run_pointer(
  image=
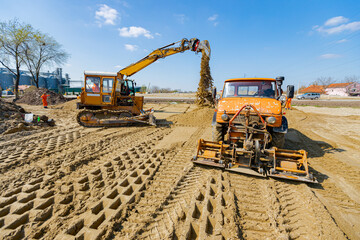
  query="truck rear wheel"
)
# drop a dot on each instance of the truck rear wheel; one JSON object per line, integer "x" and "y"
{"x": 278, "y": 139}
{"x": 218, "y": 133}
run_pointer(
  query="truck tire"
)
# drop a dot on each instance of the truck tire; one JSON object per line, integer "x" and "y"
{"x": 278, "y": 139}
{"x": 218, "y": 133}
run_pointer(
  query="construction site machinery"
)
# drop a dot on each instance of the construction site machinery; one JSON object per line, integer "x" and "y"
{"x": 249, "y": 132}
{"x": 108, "y": 99}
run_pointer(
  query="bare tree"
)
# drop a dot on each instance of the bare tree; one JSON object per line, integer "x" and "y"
{"x": 155, "y": 89}
{"x": 351, "y": 79}
{"x": 12, "y": 35}
{"x": 324, "y": 81}
{"x": 41, "y": 51}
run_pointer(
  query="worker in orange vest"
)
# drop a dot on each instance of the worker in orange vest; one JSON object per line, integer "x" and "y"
{"x": 288, "y": 103}
{"x": 44, "y": 99}
{"x": 95, "y": 88}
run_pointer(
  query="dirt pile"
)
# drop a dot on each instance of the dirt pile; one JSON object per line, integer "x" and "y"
{"x": 11, "y": 116}
{"x": 198, "y": 117}
{"x": 12, "y": 119}
{"x": 34, "y": 97}
{"x": 203, "y": 94}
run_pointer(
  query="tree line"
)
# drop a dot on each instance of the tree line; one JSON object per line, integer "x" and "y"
{"x": 23, "y": 45}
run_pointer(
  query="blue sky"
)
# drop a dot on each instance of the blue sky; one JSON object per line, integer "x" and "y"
{"x": 302, "y": 40}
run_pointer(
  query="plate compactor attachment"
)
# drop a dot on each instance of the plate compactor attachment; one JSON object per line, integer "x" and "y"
{"x": 247, "y": 152}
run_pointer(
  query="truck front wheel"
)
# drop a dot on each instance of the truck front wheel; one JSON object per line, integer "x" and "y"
{"x": 218, "y": 133}
{"x": 278, "y": 139}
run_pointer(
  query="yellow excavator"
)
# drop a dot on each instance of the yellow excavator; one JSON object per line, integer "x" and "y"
{"x": 108, "y": 99}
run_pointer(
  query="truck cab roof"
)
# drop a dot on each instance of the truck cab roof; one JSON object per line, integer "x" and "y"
{"x": 250, "y": 79}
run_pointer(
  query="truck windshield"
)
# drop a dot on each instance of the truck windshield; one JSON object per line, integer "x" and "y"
{"x": 249, "y": 89}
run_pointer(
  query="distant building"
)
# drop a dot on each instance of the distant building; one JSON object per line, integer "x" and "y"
{"x": 313, "y": 89}
{"x": 50, "y": 80}
{"x": 338, "y": 89}
{"x": 353, "y": 89}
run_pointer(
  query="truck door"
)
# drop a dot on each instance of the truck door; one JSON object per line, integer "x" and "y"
{"x": 106, "y": 89}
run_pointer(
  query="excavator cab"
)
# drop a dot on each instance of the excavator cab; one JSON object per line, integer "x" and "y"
{"x": 98, "y": 89}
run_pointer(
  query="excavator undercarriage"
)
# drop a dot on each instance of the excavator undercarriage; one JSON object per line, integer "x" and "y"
{"x": 247, "y": 151}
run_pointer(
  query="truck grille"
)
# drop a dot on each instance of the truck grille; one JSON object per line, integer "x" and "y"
{"x": 241, "y": 119}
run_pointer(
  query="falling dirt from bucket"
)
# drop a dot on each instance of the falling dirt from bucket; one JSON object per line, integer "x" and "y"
{"x": 203, "y": 94}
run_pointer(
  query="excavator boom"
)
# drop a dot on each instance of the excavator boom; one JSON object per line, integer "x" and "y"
{"x": 193, "y": 44}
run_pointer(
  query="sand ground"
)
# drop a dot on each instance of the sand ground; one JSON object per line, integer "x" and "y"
{"x": 71, "y": 182}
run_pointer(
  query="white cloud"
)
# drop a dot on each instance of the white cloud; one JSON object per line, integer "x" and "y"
{"x": 213, "y": 17}
{"x": 118, "y": 66}
{"x": 337, "y": 25}
{"x": 134, "y": 32}
{"x": 158, "y": 34}
{"x": 125, "y": 4}
{"x": 336, "y": 21}
{"x": 181, "y": 18}
{"x": 329, "y": 56}
{"x": 131, "y": 48}
{"x": 342, "y": 41}
{"x": 106, "y": 15}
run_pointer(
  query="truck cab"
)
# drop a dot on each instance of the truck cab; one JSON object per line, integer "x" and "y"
{"x": 264, "y": 94}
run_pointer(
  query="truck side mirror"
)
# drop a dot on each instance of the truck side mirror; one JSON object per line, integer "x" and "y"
{"x": 290, "y": 91}
{"x": 213, "y": 94}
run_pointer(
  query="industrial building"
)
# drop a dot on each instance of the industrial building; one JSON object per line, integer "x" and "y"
{"x": 54, "y": 81}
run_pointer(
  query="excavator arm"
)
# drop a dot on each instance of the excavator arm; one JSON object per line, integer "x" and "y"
{"x": 193, "y": 44}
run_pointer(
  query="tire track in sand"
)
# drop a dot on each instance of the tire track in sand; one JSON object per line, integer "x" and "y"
{"x": 71, "y": 156}
{"x": 299, "y": 213}
{"x": 41, "y": 207}
{"x": 275, "y": 209}
{"x": 168, "y": 176}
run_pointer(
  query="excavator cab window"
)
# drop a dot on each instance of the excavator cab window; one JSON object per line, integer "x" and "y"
{"x": 93, "y": 84}
{"x": 107, "y": 85}
{"x": 131, "y": 88}
{"x": 124, "y": 88}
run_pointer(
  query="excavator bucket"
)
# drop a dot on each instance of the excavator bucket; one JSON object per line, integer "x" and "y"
{"x": 204, "y": 47}
{"x": 277, "y": 163}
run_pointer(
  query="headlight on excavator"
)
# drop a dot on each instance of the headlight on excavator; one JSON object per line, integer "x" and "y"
{"x": 271, "y": 120}
{"x": 225, "y": 117}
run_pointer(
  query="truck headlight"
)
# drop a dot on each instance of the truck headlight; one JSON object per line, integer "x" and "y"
{"x": 225, "y": 117}
{"x": 271, "y": 120}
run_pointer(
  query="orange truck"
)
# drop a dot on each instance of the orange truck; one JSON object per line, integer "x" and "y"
{"x": 249, "y": 132}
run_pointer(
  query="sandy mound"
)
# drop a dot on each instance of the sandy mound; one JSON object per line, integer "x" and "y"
{"x": 12, "y": 119}
{"x": 69, "y": 105}
{"x": 198, "y": 117}
{"x": 34, "y": 97}
{"x": 11, "y": 116}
